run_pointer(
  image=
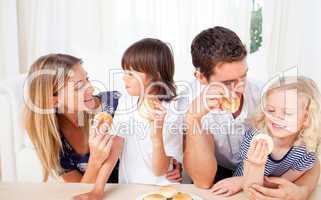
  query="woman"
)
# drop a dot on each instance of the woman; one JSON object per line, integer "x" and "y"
{"x": 58, "y": 110}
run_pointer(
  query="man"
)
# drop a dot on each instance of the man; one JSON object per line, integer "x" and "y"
{"x": 213, "y": 137}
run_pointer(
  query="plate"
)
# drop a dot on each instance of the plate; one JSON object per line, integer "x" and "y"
{"x": 195, "y": 197}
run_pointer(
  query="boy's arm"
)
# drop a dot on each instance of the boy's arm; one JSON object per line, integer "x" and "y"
{"x": 160, "y": 161}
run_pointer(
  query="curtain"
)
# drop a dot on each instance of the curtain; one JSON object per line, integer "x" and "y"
{"x": 99, "y": 31}
{"x": 291, "y": 37}
{"x": 9, "y": 59}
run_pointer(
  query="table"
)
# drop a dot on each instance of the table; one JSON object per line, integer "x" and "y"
{"x": 63, "y": 191}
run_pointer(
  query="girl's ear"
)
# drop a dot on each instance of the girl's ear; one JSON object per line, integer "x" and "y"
{"x": 306, "y": 121}
{"x": 200, "y": 77}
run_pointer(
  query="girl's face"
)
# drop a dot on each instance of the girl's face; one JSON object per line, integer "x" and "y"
{"x": 285, "y": 113}
{"x": 77, "y": 93}
{"x": 135, "y": 82}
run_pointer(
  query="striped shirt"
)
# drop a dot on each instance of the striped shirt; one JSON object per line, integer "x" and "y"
{"x": 297, "y": 158}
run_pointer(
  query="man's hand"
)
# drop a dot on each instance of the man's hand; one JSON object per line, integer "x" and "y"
{"x": 286, "y": 190}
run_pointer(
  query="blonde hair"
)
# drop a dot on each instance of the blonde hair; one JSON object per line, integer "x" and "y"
{"x": 309, "y": 136}
{"x": 46, "y": 76}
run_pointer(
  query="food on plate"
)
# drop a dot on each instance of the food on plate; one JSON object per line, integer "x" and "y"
{"x": 167, "y": 191}
{"x": 154, "y": 197}
{"x": 182, "y": 196}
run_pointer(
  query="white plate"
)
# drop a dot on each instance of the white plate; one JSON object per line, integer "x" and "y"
{"x": 195, "y": 197}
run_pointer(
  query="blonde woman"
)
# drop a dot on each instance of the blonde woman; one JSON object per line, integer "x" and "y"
{"x": 291, "y": 116}
{"x": 59, "y": 104}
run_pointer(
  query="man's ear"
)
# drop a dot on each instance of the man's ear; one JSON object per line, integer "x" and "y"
{"x": 200, "y": 77}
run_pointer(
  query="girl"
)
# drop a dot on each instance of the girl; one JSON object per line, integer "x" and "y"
{"x": 291, "y": 116}
{"x": 153, "y": 131}
{"x": 59, "y": 105}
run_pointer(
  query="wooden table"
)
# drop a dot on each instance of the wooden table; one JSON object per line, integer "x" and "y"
{"x": 62, "y": 191}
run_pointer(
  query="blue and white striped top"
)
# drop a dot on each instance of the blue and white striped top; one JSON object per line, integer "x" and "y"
{"x": 297, "y": 158}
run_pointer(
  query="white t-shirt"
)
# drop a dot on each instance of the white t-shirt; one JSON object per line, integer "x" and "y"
{"x": 228, "y": 132}
{"x": 136, "y": 158}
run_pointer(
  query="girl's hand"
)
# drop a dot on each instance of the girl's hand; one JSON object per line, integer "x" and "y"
{"x": 228, "y": 187}
{"x": 89, "y": 196}
{"x": 175, "y": 175}
{"x": 258, "y": 152}
{"x": 100, "y": 147}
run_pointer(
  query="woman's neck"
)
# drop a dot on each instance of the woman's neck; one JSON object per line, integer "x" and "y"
{"x": 68, "y": 119}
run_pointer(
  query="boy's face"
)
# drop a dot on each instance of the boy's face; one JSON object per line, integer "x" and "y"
{"x": 135, "y": 82}
{"x": 232, "y": 75}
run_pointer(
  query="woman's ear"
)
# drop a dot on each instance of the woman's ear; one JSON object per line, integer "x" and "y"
{"x": 54, "y": 101}
{"x": 200, "y": 77}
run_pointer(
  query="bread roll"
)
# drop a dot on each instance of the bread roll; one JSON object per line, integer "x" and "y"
{"x": 154, "y": 197}
{"x": 102, "y": 122}
{"x": 182, "y": 196}
{"x": 167, "y": 191}
{"x": 268, "y": 140}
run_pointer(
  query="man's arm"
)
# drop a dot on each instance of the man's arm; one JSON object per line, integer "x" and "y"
{"x": 309, "y": 180}
{"x": 199, "y": 154}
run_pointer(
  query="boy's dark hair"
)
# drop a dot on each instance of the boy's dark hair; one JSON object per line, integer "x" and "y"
{"x": 153, "y": 57}
{"x": 216, "y": 46}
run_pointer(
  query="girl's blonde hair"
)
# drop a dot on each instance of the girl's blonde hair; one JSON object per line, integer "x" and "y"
{"x": 310, "y": 135}
{"x": 47, "y": 75}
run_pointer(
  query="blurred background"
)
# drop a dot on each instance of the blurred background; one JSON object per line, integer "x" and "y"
{"x": 279, "y": 34}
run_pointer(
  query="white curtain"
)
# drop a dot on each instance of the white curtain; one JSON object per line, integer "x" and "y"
{"x": 292, "y": 33}
{"x": 9, "y": 59}
{"x": 99, "y": 31}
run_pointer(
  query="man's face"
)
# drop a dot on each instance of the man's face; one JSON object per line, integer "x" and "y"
{"x": 232, "y": 75}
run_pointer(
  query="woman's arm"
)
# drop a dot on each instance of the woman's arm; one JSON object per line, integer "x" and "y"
{"x": 97, "y": 192}
{"x": 108, "y": 166}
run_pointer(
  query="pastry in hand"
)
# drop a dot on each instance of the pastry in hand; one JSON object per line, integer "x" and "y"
{"x": 146, "y": 107}
{"x": 102, "y": 122}
{"x": 154, "y": 197}
{"x": 231, "y": 104}
{"x": 182, "y": 196}
{"x": 268, "y": 140}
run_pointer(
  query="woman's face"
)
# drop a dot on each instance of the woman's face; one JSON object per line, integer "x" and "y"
{"x": 77, "y": 93}
{"x": 285, "y": 112}
{"x": 135, "y": 82}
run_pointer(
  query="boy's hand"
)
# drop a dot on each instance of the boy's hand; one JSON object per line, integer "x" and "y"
{"x": 156, "y": 118}
{"x": 228, "y": 187}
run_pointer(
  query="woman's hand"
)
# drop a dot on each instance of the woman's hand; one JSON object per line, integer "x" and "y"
{"x": 228, "y": 187}
{"x": 89, "y": 196}
{"x": 100, "y": 147}
{"x": 286, "y": 190}
{"x": 175, "y": 175}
